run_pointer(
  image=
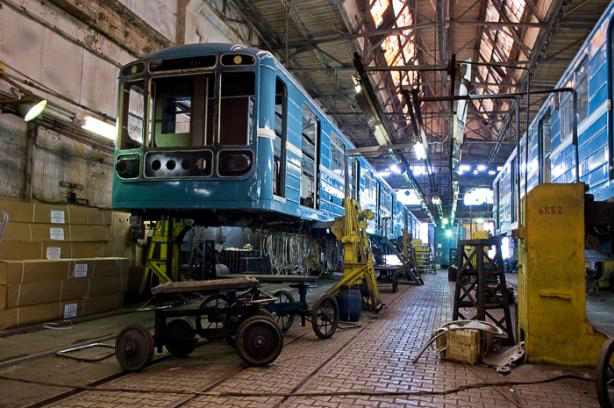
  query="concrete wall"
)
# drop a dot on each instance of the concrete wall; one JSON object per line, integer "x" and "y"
{"x": 78, "y": 56}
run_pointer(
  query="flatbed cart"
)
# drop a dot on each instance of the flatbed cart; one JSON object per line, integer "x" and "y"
{"x": 232, "y": 309}
{"x": 389, "y": 274}
{"x": 324, "y": 314}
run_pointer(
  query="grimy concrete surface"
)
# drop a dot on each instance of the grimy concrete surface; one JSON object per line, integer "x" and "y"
{"x": 375, "y": 357}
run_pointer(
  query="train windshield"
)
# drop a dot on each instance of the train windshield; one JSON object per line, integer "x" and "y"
{"x": 190, "y": 111}
{"x": 133, "y": 114}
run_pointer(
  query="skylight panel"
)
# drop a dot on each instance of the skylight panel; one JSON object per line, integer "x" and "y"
{"x": 378, "y": 8}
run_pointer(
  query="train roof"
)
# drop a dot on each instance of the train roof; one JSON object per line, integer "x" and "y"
{"x": 190, "y": 50}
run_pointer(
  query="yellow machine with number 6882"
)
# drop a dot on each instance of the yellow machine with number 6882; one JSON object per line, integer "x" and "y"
{"x": 551, "y": 275}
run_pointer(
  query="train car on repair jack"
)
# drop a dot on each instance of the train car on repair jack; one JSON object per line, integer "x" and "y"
{"x": 224, "y": 135}
{"x": 551, "y": 152}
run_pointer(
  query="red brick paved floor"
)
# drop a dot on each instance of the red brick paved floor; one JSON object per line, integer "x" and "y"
{"x": 375, "y": 357}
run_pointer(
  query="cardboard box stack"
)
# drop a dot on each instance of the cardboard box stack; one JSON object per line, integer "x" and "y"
{"x": 55, "y": 263}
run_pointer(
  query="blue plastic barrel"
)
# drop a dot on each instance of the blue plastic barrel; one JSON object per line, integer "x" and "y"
{"x": 349, "y": 300}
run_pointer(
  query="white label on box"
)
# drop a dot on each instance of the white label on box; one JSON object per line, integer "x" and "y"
{"x": 70, "y": 310}
{"x": 80, "y": 270}
{"x": 54, "y": 253}
{"x": 56, "y": 234}
{"x": 57, "y": 217}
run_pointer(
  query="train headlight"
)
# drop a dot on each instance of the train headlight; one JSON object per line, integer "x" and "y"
{"x": 238, "y": 59}
{"x": 234, "y": 163}
{"x": 128, "y": 166}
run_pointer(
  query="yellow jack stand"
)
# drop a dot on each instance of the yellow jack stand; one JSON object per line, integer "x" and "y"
{"x": 351, "y": 231}
{"x": 157, "y": 253}
{"x": 551, "y": 278}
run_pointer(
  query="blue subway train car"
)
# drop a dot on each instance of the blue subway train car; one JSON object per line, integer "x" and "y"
{"x": 223, "y": 134}
{"x": 549, "y": 145}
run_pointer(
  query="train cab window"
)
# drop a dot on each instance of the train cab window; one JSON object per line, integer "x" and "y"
{"x": 582, "y": 89}
{"x": 309, "y": 163}
{"x": 279, "y": 143}
{"x": 132, "y": 115}
{"x": 181, "y": 116}
{"x": 236, "y": 107}
{"x": 546, "y": 147}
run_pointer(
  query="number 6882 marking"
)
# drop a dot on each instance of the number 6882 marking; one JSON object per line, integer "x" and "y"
{"x": 551, "y": 210}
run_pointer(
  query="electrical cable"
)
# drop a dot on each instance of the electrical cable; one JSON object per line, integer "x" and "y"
{"x": 349, "y": 393}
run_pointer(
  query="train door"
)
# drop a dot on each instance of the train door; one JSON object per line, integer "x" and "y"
{"x": 378, "y": 205}
{"x": 545, "y": 148}
{"x": 281, "y": 135}
{"x": 355, "y": 179}
{"x": 310, "y": 161}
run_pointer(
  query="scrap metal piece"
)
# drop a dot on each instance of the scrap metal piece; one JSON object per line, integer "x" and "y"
{"x": 503, "y": 359}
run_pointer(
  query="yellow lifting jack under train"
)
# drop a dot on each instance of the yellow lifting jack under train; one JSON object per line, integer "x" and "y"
{"x": 358, "y": 269}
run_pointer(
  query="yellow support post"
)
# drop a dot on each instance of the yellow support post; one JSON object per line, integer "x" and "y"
{"x": 351, "y": 231}
{"x": 551, "y": 278}
{"x": 157, "y": 253}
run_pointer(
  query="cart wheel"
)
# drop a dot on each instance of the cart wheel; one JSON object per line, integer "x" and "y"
{"x": 259, "y": 341}
{"x": 284, "y": 321}
{"x": 325, "y": 316}
{"x": 604, "y": 378}
{"x": 230, "y": 340}
{"x": 134, "y": 347}
{"x": 212, "y": 320}
{"x": 180, "y": 340}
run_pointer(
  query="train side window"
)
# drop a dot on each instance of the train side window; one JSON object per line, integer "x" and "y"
{"x": 279, "y": 143}
{"x": 337, "y": 152}
{"x": 236, "y": 107}
{"x": 546, "y": 147}
{"x": 132, "y": 116}
{"x": 309, "y": 163}
{"x": 582, "y": 89}
{"x": 566, "y": 116}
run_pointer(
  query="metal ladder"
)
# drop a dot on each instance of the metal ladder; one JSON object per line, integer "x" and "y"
{"x": 410, "y": 274}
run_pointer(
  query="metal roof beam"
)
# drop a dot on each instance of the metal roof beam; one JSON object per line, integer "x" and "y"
{"x": 322, "y": 38}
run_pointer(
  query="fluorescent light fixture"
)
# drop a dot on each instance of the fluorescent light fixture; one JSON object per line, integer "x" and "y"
{"x": 448, "y": 233}
{"x": 99, "y": 127}
{"x": 383, "y": 173}
{"x": 420, "y": 151}
{"x": 464, "y": 168}
{"x": 482, "y": 167}
{"x": 475, "y": 172}
{"x": 408, "y": 197}
{"x": 499, "y": 168}
{"x": 395, "y": 169}
{"x": 436, "y": 200}
{"x": 35, "y": 110}
{"x": 492, "y": 172}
